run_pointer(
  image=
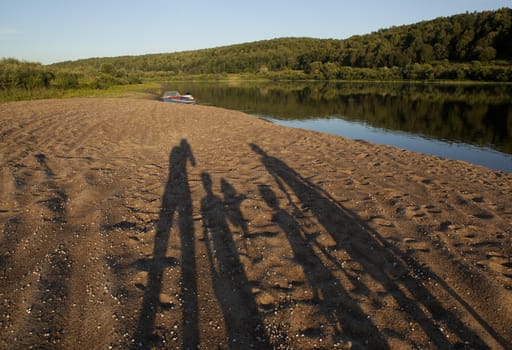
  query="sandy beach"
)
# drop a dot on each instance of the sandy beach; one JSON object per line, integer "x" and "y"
{"x": 137, "y": 224}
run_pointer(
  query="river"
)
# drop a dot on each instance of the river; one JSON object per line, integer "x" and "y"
{"x": 464, "y": 121}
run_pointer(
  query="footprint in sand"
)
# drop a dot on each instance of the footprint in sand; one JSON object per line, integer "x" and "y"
{"x": 140, "y": 280}
{"x": 422, "y": 180}
{"x": 498, "y": 263}
{"x": 416, "y": 246}
{"x": 380, "y": 221}
{"x": 413, "y": 211}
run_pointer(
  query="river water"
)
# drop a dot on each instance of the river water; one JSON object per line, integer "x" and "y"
{"x": 466, "y": 122}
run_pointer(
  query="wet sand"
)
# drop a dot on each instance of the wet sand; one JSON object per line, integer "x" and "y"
{"x": 136, "y": 224}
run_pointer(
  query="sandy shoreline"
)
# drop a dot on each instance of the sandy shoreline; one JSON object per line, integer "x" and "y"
{"x": 138, "y": 224}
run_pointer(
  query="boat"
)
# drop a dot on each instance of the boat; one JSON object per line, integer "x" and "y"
{"x": 175, "y": 96}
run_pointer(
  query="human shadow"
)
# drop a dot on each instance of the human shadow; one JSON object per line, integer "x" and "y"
{"x": 243, "y": 322}
{"x": 365, "y": 246}
{"x": 176, "y": 206}
{"x": 232, "y": 204}
{"x": 233, "y": 201}
{"x": 58, "y": 199}
{"x": 334, "y": 301}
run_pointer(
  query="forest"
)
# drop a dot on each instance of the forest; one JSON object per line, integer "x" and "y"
{"x": 471, "y": 46}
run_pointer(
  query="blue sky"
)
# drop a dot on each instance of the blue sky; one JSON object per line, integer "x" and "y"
{"x": 50, "y": 31}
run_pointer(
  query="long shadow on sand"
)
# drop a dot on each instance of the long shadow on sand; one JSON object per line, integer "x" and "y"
{"x": 244, "y": 325}
{"x": 366, "y": 247}
{"x": 334, "y": 301}
{"x": 176, "y": 205}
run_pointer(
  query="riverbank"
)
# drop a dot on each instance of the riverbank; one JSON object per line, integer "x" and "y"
{"x": 447, "y": 121}
{"x": 137, "y": 224}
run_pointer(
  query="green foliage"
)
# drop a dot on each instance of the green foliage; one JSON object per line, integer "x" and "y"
{"x": 66, "y": 80}
{"x": 471, "y": 46}
{"x": 439, "y": 49}
{"x": 23, "y": 75}
{"x": 25, "y": 80}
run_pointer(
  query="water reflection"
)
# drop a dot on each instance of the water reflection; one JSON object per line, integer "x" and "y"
{"x": 473, "y": 154}
{"x": 477, "y": 115}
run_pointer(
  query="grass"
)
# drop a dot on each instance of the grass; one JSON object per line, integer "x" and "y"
{"x": 131, "y": 91}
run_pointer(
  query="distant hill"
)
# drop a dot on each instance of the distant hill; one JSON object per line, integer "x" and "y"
{"x": 484, "y": 37}
{"x": 471, "y": 46}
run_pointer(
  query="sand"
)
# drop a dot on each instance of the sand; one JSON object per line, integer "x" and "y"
{"x": 136, "y": 224}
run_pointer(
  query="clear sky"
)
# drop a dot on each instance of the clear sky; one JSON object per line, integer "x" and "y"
{"x": 49, "y": 31}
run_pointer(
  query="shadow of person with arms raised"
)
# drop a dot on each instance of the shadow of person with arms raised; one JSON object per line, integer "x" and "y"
{"x": 334, "y": 301}
{"x": 380, "y": 261}
{"x": 243, "y": 322}
{"x": 176, "y": 205}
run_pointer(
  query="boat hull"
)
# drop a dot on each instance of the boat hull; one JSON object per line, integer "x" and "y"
{"x": 179, "y": 100}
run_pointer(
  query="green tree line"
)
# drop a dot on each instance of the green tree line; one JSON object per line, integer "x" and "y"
{"x": 15, "y": 74}
{"x": 436, "y": 49}
{"x": 470, "y": 46}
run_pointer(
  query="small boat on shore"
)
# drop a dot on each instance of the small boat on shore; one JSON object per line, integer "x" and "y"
{"x": 175, "y": 96}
